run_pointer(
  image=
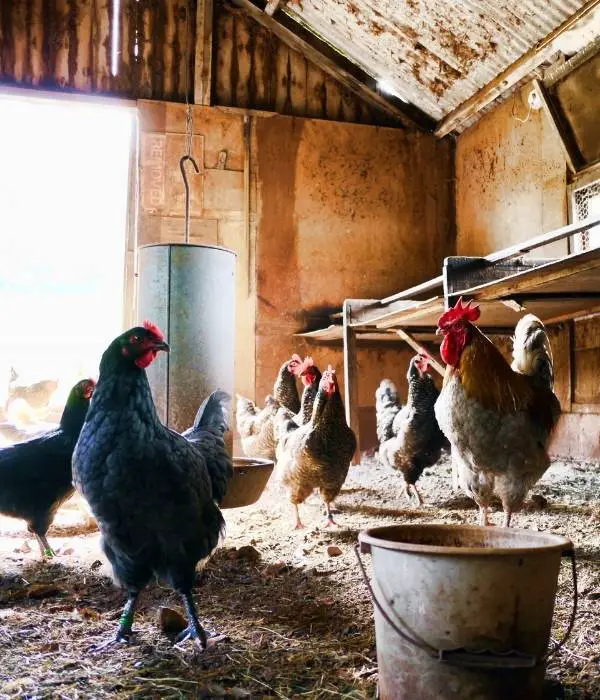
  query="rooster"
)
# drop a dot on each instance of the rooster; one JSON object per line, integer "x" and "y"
{"x": 497, "y": 418}
{"x": 418, "y": 441}
{"x": 154, "y": 493}
{"x": 255, "y": 426}
{"x": 35, "y": 475}
{"x": 387, "y": 407}
{"x": 317, "y": 454}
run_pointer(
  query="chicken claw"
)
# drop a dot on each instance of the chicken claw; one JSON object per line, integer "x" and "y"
{"x": 194, "y": 630}
{"x": 120, "y": 638}
{"x": 330, "y": 522}
{"x": 298, "y": 525}
{"x": 44, "y": 546}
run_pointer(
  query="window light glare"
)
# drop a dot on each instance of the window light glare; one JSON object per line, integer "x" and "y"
{"x": 387, "y": 87}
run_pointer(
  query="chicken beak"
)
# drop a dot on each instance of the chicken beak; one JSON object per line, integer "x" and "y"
{"x": 162, "y": 345}
{"x": 438, "y": 331}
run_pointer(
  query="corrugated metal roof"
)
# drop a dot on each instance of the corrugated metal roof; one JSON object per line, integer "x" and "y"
{"x": 435, "y": 54}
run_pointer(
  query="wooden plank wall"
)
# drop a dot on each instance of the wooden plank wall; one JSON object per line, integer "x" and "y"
{"x": 68, "y": 45}
{"x": 254, "y": 69}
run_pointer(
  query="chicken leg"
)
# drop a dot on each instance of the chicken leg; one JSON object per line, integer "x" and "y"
{"x": 417, "y": 494}
{"x": 507, "y": 518}
{"x": 125, "y": 624}
{"x": 44, "y": 545}
{"x": 483, "y": 516}
{"x": 298, "y": 525}
{"x": 330, "y": 522}
{"x": 194, "y": 630}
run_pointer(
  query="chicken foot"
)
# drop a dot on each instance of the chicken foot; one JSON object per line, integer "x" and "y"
{"x": 194, "y": 630}
{"x": 298, "y": 525}
{"x": 330, "y": 522}
{"x": 44, "y": 545}
{"x": 125, "y": 624}
{"x": 409, "y": 489}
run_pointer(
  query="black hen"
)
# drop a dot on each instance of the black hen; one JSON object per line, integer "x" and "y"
{"x": 153, "y": 492}
{"x": 35, "y": 476}
{"x": 417, "y": 440}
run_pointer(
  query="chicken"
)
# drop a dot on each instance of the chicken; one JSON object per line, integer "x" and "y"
{"x": 497, "y": 418}
{"x": 154, "y": 493}
{"x": 387, "y": 407}
{"x": 418, "y": 441}
{"x": 310, "y": 375}
{"x": 285, "y": 390}
{"x": 317, "y": 454}
{"x": 35, "y": 476}
{"x": 37, "y": 395}
{"x": 256, "y": 427}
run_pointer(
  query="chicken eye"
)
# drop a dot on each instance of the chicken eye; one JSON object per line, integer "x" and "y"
{"x": 133, "y": 339}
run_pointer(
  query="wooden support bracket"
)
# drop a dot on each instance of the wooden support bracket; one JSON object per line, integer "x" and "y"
{"x": 351, "y": 370}
{"x": 417, "y": 347}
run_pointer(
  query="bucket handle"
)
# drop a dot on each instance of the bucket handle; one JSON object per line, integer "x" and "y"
{"x": 420, "y": 644}
{"x": 475, "y": 658}
{"x": 570, "y": 553}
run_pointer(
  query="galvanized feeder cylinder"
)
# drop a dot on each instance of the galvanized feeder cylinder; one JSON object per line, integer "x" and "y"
{"x": 189, "y": 292}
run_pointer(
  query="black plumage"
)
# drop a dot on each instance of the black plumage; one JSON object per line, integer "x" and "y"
{"x": 35, "y": 475}
{"x": 417, "y": 441}
{"x": 153, "y": 492}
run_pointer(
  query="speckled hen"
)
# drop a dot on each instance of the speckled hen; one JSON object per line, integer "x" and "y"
{"x": 317, "y": 454}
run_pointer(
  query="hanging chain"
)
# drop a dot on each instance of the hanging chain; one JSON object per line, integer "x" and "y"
{"x": 189, "y": 118}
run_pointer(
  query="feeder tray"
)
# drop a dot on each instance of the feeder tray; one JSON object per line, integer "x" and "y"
{"x": 249, "y": 479}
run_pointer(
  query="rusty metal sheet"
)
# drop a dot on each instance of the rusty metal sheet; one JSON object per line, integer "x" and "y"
{"x": 434, "y": 53}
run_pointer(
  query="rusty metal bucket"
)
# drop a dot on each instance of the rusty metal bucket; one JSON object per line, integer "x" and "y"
{"x": 463, "y": 612}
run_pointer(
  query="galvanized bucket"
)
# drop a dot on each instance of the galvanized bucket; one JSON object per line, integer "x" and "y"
{"x": 463, "y": 613}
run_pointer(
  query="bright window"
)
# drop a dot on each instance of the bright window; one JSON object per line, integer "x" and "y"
{"x": 64, "y": 172}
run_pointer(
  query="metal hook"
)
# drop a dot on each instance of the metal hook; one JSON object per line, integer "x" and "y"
{"x": 182, "y": 160}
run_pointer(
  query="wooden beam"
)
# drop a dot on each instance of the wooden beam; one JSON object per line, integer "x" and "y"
{"x": 351, "y": 377}
{"x": 511, "y": 75}
{"x": 407, "y": 338}
{"x": 528, "y": 281}
{"x": 247, "y": 200}
{"x": 572, "y": 156}
{"x": 417, "y": 290}
{"x": 321, "y": 54}
{"x": 203, "y": 55}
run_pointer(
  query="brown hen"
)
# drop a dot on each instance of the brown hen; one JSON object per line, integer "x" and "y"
{"x": 317, "y": 454}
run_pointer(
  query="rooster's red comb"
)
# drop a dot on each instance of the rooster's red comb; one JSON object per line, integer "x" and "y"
{"x": 154, "y": 329}
{"x": 459, "y": 311}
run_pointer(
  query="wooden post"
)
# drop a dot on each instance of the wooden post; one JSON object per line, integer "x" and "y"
{"x": 351, "y": 377}
{"x": 417, "y": 347}
{"x": 203, "y": 59}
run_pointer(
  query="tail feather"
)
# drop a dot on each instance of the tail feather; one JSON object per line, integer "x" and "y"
{"x": 213, "y": 414}
{"x": 211, "y": 422}
{"x": 532, "y": 354}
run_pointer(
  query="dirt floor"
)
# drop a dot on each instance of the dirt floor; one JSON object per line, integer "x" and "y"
{"x": 298, "y": 619}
